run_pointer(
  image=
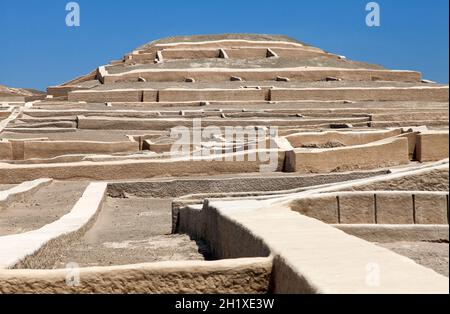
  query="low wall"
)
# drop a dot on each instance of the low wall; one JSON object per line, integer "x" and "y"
{"x": 21, "y": 192}
{"x": 259, "y": 75}
{"x": 241, "y": 276}
{"x": 398, "y": 233}
{"x": 362, "y": 94}
{"x": 346, "y": 138}
{"x": 4, "y": 113}
{"x": 422, "y": 208}
{"x": 17, "y": 248}
{"x": 62, "y": 91}
{"x": 178, "y": 95}
{"x": 106, "y": 96}
{"x": 224, "y": 238}
{"x": 432, "y": 146}
{"x": 385, "y": 153}
{"x": 42, "y": 148}
{"x": 142, "y": 58}
{"x": 169, "y": 95}
{"x": 5, "y": 150}
{"x": 309, "y": 256}
{"x": 163, "y": 124}
{"x": 438, "y": 94}
{"x": 171, "y": 188}
{"x": 9, "y": 98}
{"x": 50, "y": 149}
{"x": 412, "y": 141}
{"x": 175, "y": 54}
{"x": 246, "y": 53}
{"x": 228, "y": 43}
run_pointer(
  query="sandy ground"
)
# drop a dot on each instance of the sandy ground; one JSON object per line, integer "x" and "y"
{"x": 4, "y": 187}
{"x": 431, "y": 255}
{"x": 45, "y": 206}
{"x": 237, "y": 84}
{"x": 130, "y": 231}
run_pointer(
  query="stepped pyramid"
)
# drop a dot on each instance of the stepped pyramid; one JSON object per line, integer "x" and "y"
{"x": 230, "y": 163}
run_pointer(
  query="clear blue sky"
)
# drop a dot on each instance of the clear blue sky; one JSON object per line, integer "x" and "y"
{"x": 37, "y": 49}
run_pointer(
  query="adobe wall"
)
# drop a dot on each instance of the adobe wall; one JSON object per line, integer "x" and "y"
{"x": 18, "y": 249}
{"x": 246, "y": 53}
{"x": 432, "y": 146}
{"x": 171, "y": 188}
{"x": 50, "y": 149}
{"x": 385, "y": 153}
{"x": 361, "y": 94}
{"x": 294, "y": 74}
{"x": 21, "y": 192}
{"x": 106, "y": 96}
{"x": 159, "y": 148}
{"x": 398, "y": 233}
{"x": 410, "y": 116}
{"x": 110, "y": 123}
{"x": 18, "y": 147}
{"x": 224, "y": 238}
{"x": 376, "y": 207}
{"x": 138, "y": 169}
{"x": 296, "y": 267}
{"x": 179, "y": 95}
{"x": 14, "y": 114}
{"x": 9, "y": 98}
{"x": 398, "y": 124}
{"x": 5, "y": 150}
{"x": 412, "y": 143}
{"x": 141, "y": 57}
{"x": 346, "y": 138}
{"x": 241, "y": 276}
{"x": 61, "y": 91}
{"x": 139, "y": 110}
{"x": 241, "y": 52}
{"x": 174, "y": 54}
{"x": 4, "y": 113}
